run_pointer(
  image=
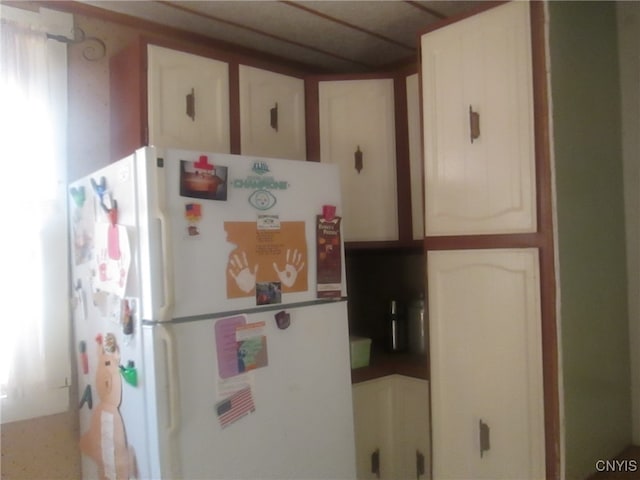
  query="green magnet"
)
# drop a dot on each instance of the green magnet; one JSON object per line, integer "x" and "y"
{"x": 129, "y": 373}
{"x": 78, "y": 195}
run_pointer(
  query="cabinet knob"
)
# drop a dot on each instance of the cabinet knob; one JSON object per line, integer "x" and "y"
{"x": 191, "y": 105}
{"x": 474, "y": 124}
{"x": 358, "y": 159}
{"x": 273, "y": 117}
{"x": 420, "y": 469}
{"x": 485, "y": 444}
{"x": 375, "y": 462}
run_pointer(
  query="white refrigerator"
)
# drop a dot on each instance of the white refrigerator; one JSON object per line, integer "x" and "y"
{"x": 210, "y": 319}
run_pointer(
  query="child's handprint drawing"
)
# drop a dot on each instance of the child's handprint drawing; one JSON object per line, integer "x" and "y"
{"x": 294, "y": 264}
{"x": 241, "y": 273}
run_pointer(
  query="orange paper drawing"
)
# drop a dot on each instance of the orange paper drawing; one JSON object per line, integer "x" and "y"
{"x": 105, "y": 440}
{"x": 277, "y": 256}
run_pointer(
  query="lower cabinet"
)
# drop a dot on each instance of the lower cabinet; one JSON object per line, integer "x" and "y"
{"x": 486, "y": 364}
{"x": 391, "y": 417}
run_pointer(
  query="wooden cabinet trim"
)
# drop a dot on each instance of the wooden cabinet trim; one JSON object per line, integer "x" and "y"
{"x": 550, "y": 362}
{"x": 234, "y": 109}
{"x": 312, "y": 117}
{"x": 403, "y": 173}
{"x": 128, "y": 100}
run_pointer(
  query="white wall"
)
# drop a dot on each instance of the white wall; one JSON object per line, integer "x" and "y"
{"x": 629, "y": 51}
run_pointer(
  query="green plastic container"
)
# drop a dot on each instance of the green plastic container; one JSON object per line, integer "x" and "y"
{"x": 360, "y": 351}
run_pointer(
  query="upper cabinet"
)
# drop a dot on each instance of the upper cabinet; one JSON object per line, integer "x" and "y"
{"x": 168, "y": 98}
{"x": 272, "y": 114}
{"x": 188, "y": 101}
{"x": 357, "y": 132}
{"x": 478, "y": 125}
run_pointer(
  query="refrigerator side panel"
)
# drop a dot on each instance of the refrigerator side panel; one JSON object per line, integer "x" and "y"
{"x": 106, "y": 321}
{"x": 154, "y": 246}
{"x": 299, "y": 420}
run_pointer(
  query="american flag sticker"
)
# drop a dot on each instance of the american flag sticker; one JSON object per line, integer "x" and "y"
{"x": 235, "y": 407}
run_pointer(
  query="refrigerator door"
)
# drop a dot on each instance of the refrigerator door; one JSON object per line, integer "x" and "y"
{"x": 301, "y": 426}
{"x": 219, "y": 229}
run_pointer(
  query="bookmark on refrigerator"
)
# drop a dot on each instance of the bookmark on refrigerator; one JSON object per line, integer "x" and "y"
{"x": 329, "y": 253}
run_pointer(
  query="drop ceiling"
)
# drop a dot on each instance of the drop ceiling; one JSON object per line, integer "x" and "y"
{"x": 335, "y": 36}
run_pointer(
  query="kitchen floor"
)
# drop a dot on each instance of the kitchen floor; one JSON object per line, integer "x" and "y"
{"x": 44, "y": 448}
{"x": 631, "y": 454}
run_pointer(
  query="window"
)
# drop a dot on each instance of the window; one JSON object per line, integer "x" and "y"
{"x": 34, "y": 279}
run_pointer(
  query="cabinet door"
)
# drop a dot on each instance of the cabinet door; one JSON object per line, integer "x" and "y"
{"x": 411, "y": 424}
{"x": 188, "y": 101}
{"x": 372, "y": 417}
{"x": 415, "y": 156}
{"x": 357, "y": 121}
{"x": 478, "y": 124}
{"x": 272, "y": 120}
{"x": 486, "y": 364}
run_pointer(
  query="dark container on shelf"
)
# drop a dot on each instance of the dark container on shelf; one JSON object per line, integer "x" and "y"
{"x": 396, "y": 329}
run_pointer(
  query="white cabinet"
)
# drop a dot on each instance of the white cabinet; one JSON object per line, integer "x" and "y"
{"x": 272, "y": 114}
{"x": 478, "y": 124}
{"x": 372, "y": 407}
{"x": 411, "y": 427}
{"x": 486, "y": 364}
{"x": 391, "y": 419}
{"x": 188, "y": 101}
{"x": 357, "y": 132}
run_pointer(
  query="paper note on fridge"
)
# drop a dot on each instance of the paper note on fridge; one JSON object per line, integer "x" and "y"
{"x": 241, "y": 347}
{"x": 252, "y": 346}
{"x": 112, "y": 258}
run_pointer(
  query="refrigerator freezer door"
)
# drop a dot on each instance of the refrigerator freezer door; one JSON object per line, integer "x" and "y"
{"x": 222, "y": 228}
{"x": 302, "y": 425}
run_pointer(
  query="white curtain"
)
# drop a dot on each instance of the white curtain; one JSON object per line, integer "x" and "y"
{"x": 33, "y": 279}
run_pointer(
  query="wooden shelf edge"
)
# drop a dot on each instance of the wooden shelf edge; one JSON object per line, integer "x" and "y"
{"x": 384, "y": 364}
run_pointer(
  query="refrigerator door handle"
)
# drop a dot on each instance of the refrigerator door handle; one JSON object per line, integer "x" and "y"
{"x": 171, "y": 364}
{"x": 166, "y": 309}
